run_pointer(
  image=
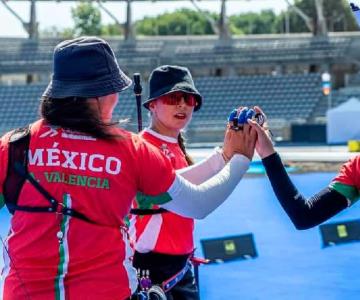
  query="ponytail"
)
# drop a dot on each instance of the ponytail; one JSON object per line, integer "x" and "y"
{"x": 181, "y": 142}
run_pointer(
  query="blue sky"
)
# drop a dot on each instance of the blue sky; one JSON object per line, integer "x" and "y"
{"x": 59, "y": 13}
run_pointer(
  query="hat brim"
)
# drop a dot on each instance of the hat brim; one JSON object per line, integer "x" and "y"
{"x": 110, "y": 84}
{"x": 176, "y": 89}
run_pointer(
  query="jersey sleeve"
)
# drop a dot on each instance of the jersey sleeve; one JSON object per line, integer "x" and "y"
{"x": 156, "y": 175}
{"x": 203, "y": 170}
{"x": 304, "y": 213}
{"x": 347, "y": 181}
{"x": 4, "y": 150}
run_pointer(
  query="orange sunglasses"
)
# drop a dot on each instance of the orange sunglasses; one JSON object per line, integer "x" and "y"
{"x": 175, "y": 99}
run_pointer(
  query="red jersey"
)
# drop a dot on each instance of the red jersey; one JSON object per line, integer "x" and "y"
{"x": 347, "y": 182}
{"x": 168, "y": 232}
{"x": 98, "y": 178}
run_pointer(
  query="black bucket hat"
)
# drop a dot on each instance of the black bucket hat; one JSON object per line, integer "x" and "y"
{"x": 85, "y": 67}
{"x": 168, "y": 79}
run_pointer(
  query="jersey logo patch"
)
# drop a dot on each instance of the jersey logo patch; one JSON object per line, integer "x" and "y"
{"x": 164, "y": 149}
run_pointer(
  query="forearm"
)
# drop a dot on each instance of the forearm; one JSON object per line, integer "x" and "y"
{"x": 302, "y": 212}
{"x": 197, "y": 202}
{"x": 203, "y": 170}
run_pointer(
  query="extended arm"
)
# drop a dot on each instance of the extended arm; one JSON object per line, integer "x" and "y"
{"x": 203, "y": 170}
{"x": 304, "y": 213}
{"x": 197, "y": 202}
{"x": 207, "y": 168}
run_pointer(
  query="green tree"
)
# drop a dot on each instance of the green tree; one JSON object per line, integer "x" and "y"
{"x": 254, "y": 23}
{"x": 337, "y": 14}
{"x": 87, "y": 19}
{"x": 112, "y": 30}
{"x": 181, "y": 22}
{"x": 67, "y": 33}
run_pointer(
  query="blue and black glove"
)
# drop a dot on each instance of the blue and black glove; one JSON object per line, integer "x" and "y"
{"x": 240, "y": 117}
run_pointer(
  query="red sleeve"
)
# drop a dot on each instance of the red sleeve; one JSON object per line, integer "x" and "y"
{"x": 156, "y": 172}
{"x": 350, "y": 173}
{"x": 4, "y": 149}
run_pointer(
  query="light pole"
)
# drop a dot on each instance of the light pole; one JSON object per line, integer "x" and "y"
{"x": 326, "y": 87}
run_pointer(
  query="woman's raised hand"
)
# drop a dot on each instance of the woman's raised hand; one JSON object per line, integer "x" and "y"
{"x": 240, "y": 137}
{"x": 264, "y": 145}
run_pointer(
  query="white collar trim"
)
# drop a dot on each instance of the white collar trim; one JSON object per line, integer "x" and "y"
{"x": 160, "y": 136}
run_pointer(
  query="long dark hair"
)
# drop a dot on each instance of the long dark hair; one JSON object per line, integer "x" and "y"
{"x": 181, "y": 142}
{"x": 76, "y": 114}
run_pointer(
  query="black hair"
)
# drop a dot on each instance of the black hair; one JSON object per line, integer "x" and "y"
{"x": 181, "y": 142}
{"x": 76, "y": 114}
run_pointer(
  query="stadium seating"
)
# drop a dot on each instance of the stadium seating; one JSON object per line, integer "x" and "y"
{"x": 33, "y": 56}
{"x": 266, "y": 50}
{"x": 19, "y": 105}
{"x": 293, "y": 97}
{"x": 342, "y": 95}
{"x": 139, "y": 54}
{"x": 337, "y": 97}
{"x": 26, "y": 55}
{"x": 354, "y": 79}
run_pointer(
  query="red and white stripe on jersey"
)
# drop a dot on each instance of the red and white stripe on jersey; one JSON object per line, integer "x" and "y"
{"x": 98, "y": 178}
{"x": 168, "y": 232}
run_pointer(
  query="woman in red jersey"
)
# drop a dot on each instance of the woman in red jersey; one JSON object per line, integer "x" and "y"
{"x": 163, "y": 240}
{"x": 342, "y": 192}
{"x": 67, "y": 238}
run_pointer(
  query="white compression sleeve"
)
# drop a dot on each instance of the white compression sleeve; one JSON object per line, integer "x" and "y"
{"x": 205, "y": 169}
{"x": 197, "y": 201}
